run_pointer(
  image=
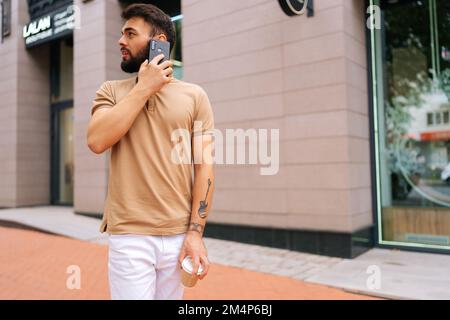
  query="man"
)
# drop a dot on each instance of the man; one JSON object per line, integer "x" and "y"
{"x": 155, "y": 211}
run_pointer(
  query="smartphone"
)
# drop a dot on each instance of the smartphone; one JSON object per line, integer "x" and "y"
{"x": 157, "y": 47}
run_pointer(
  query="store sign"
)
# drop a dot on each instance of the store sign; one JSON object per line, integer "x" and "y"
{"x": 297, "y": 7}
{"x": 50, "y": 27}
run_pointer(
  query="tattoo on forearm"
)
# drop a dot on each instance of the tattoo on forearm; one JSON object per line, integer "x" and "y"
{"x": 203, "y": 204}
{"x": 196, "y": 227}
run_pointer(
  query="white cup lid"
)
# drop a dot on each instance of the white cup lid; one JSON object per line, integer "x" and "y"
{"x": 188, "y": 266}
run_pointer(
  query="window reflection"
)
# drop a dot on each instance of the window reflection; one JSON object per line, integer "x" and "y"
{"x": 414, "y": 135}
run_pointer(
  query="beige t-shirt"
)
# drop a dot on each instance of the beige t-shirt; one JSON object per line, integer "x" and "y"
{"x": 148, "y": 192}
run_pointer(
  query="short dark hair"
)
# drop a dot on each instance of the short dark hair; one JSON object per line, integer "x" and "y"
{"x": 159, "y": 21}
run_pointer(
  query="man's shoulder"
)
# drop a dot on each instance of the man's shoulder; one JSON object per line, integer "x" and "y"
{"x": 116, "y": 89}
{"x": 196, "y": 89}
{"x": 121, "y": 83}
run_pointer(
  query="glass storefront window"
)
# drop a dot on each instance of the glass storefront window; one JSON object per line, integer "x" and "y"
{"x": 411, "y": 91}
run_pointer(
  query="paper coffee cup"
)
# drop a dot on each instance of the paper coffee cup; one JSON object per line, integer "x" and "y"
{"x": 188, "y": 278}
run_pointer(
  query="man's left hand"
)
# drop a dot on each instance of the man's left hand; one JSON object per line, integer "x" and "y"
{"x": 194, "y": 247}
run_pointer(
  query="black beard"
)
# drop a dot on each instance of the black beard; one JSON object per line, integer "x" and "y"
{"x": 133, "y": 64}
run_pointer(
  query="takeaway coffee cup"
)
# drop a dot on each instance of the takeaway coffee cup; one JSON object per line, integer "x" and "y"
{"x": 188, "y": 278}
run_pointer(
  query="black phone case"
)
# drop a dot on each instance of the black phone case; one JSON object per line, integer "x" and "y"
{"x": 157, "y": 47}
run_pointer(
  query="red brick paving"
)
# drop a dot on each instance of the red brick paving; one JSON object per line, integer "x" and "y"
{"x": 33, "y": 265}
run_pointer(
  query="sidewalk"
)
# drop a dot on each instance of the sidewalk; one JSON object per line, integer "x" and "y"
{"x": 34, "y": 265}
{"x": 268, "y": 273}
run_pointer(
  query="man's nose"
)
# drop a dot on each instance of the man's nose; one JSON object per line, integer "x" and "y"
{"x": 122, "y": 41}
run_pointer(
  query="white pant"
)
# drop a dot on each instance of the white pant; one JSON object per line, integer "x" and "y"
{"x": 145, "y": 267}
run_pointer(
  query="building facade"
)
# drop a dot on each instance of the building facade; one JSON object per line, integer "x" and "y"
{"x": 357, "y": 90}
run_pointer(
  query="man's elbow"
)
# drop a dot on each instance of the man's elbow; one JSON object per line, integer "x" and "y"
{"x": 95, "y": 146}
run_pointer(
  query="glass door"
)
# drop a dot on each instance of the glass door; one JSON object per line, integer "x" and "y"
{"x": 411, "y": 91}
{"x": 61, "y": 99}
{"x": 62, "y": 154}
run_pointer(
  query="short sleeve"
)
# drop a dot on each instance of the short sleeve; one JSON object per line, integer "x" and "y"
{"x": 103, "y": 98}
{"x": 203, "y": 119}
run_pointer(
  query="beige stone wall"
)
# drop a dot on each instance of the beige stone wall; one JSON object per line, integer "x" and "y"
{"x": 24, "y": 118}
{"x": 261, "y": 69}
{"x": 97, "y": 59}
{"x": 305, "y": 76}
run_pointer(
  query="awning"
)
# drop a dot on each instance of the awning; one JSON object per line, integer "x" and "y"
{"x": 442, "y": 135}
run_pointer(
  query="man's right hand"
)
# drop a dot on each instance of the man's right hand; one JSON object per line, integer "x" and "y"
{"x": 152, "y": 77}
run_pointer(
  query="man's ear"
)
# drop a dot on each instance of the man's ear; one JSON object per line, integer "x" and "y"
{"x": 162, "y": 37}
